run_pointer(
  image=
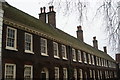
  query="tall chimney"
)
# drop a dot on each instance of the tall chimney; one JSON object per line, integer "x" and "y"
{"x": 95, "y": 43}
{"x": 79, "y": 33}
{"x": 42, "y": 15}
{"x": 118, "y": 58}
{"x": 105, "y": 49}
{"x": 52, "y": 16}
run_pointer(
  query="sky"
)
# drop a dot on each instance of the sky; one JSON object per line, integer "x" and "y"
{"x": 69, "y": 23}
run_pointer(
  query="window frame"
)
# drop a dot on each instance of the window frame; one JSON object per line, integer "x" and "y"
{"x": 75, "y": 73}
{"x": 66, "y": 75}
{"x": 55, "y": 56}
{"x": 31, "y": 46}
{"x": 89, "y": 59}
{"x": 98, "y": 74}
{"x": 97, "y": 62}
{"x": 31, "y": 71}
{"x": 74, "y": 55}
{"x": 57, "y": 68}
{"x": 14, "y": 72}
{"x": 15, "y": 39}
{"x": 46, "y": 53}
{"x": 94, "y": 74}
{"x": 85, "y": 57}
{"x": 79, "y": 56}
{"x": 81, "y": 74}
{"x": 91, "y": 76}
{"x": 93, "y": 60}
{"x": 65, "y": 53}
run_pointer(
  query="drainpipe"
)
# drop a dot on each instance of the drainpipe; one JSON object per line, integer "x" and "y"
{"x": 70, "y": 63}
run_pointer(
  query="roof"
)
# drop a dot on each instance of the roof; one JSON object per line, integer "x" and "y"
{"x": 17, "y": 15}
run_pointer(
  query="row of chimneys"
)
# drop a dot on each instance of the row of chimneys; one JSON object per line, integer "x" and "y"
{"x": 80, "y": 37}
{"x": 50, "y": 18}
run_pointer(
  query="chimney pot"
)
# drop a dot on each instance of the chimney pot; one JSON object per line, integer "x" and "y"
{"x": 94, "y": 38}
{"x": 79, "y": 27}
{"x": 50, "y": 8}
{"x": 41, "y": 9}
{"x": 44, "y": 9}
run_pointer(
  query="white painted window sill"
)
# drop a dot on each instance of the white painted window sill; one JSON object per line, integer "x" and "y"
{"x": 74, "y": 60}
{"x": 57, "y": 57}
{"x": 65, "y": 58}
{"x": 85, "y": 62}
{"x": 44, "y": 54}
{"x": 27, "y": 51}
{"x": 11, "y": 48}
{"x": 80, "y": 61}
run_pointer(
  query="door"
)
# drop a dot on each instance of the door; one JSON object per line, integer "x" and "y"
{"x": 43, "y": 76}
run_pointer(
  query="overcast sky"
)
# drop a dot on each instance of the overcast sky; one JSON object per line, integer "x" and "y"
{"x": 69, "y": 24}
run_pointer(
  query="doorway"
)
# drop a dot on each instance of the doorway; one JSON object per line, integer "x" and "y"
{"x": 44, "y": 74}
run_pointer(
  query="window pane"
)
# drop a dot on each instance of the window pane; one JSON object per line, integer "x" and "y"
{"x": 64, "y": 55}
{"x": 55, "y": 49}
{"x": 75, "y": 74}
{"x": 43, "y": 46}
{"x": 28, "y": 72}
{"x": 93, "y": 62}
{"x": 85, "y": 57}
{"x": 11, "y": 37}
{"x": 81, "y": 76}
{"x": 65, "y": 73}
{"x": 79, "y": 56}
{"x": 89, "y": 58}
{"x": 74, "y": 54}
{"x": 10, "y": 71}
{"x": 56, "y": 73}
{"x": 28, "y": 42}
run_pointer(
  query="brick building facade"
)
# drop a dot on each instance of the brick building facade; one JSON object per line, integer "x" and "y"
{"x": 35, "y": 49}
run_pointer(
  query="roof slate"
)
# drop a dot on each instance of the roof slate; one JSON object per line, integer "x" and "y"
{"x": 17, "y": 15}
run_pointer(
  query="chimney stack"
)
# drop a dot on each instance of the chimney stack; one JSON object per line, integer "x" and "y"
{"x": 105, "y": 49}
{"x": 49, "y": 17}
{"x": 95, "y": 43}
{"x": 52, "y": 16}
{"x": 42, "y": 15}
{"x": 80, "y": 33}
